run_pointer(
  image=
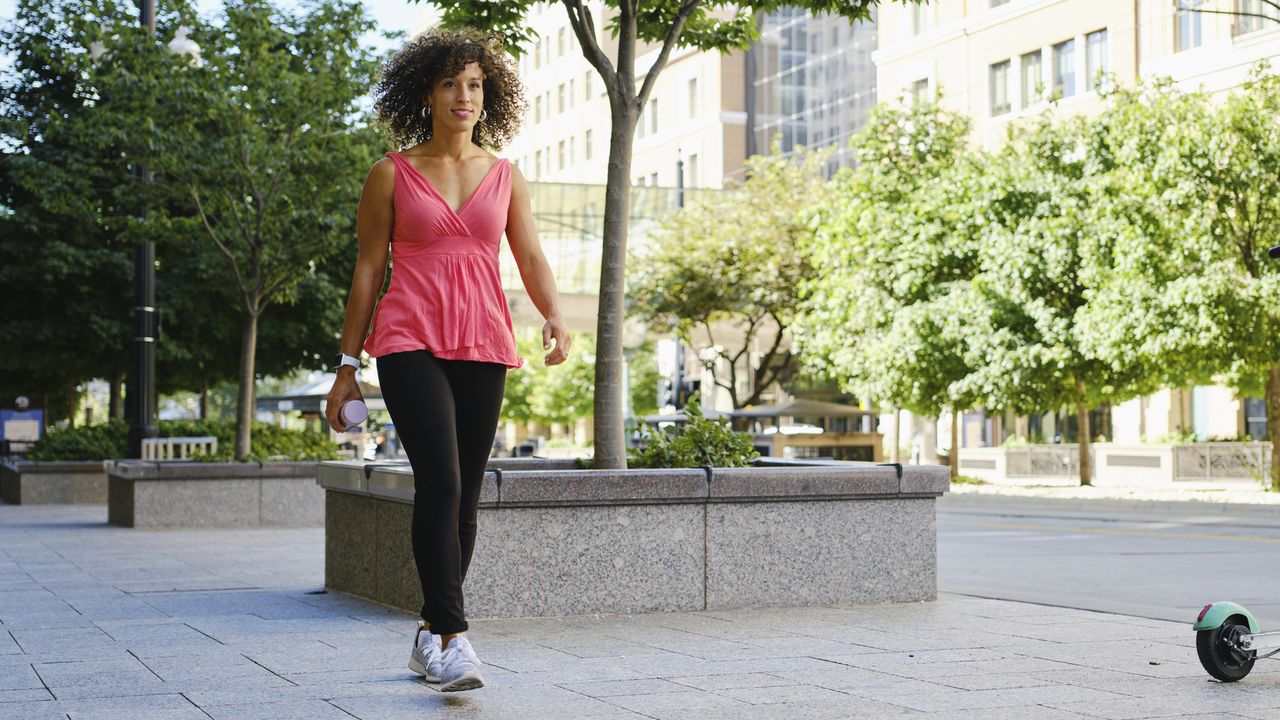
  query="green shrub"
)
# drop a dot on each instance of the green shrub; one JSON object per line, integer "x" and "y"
{"x": 696, "y": 443}
{"x": 96, "y": 442}
{"x": 110, "y": 441}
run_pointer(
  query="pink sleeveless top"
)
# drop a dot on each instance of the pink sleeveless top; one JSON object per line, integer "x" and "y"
{"x": 446, "y": 295}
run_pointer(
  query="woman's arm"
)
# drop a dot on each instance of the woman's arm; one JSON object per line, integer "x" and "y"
{"x": 373, "y": 230}
{"x": 535, "y": 271}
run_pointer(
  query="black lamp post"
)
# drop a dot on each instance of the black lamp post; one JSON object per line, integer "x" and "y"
{"x": 141, "y": 399}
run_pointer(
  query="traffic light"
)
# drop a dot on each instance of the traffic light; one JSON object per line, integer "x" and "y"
{"x": 666, "y": 392}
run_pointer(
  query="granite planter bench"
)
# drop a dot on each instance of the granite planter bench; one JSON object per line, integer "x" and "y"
{"x": 568, "y": 542}
{"x": 25, "y": 482}
{"x": 213, "y": 495}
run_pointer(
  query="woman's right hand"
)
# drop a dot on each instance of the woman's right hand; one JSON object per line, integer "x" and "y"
{"x": 345, "y": 389}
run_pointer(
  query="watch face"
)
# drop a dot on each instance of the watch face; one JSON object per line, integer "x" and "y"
{"x": 337, "y": 360}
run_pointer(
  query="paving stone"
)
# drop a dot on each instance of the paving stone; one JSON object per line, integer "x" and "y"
{"x": 25, "y": 695}
{"x": 138, "y": 707}
{"x": 287, "y": 710}
{"x": 611, "y": 688}
{"x": 731, "y": 680}
{"x": 42, "y": 710}
{"x": 19, "y": 676}
{"x": 767, "y": 695}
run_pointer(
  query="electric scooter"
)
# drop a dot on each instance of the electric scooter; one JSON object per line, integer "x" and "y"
{"x": 1227, "y": 636}
{"x": 1228, "y": 641}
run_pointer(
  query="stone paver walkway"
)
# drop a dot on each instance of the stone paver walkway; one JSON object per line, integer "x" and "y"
{"x": 106, "y": 622}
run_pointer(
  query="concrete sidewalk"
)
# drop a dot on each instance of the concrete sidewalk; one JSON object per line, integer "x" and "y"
{"x": 107, "y": 622}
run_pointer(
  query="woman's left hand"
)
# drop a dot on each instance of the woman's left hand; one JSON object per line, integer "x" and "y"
{"x": 555, "y": 329}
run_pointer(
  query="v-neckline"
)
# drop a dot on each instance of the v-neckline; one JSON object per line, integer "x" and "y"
{"x": 440, "y": 196}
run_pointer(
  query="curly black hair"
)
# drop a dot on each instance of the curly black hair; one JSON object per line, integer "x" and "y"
{"x": 411, "y": 74}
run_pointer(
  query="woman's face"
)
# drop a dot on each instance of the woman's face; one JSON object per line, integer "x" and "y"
{"x": 456, "y": 102}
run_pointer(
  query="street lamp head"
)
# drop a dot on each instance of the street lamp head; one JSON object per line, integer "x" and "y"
{"x": 183, "y": 45}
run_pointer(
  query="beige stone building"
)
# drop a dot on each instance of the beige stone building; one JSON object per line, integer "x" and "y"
{"x": 695, "y": 113}
{"x": 1000, "y": 61}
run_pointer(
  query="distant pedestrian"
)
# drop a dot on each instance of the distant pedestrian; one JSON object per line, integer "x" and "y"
{"x": 442, "y": 334}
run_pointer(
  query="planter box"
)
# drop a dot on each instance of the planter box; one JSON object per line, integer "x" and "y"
{"x": 24, "y": 482}
{"x": 569, "y": 542}
{"x": 1140, "y": 464}
{"x": 213, "y": 495}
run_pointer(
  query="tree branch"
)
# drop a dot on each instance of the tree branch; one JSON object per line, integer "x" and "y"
{"x": 213, "y": 235}
{"x": 584, "y": 27}
{"x": 669, "y": 42}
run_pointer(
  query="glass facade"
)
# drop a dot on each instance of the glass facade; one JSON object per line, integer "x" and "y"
{"x": 810, "y": 82}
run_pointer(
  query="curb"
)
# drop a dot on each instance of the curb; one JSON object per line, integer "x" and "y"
{"x": 1198, "y": 507}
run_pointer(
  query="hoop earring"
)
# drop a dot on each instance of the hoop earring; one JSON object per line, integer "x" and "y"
{"x": 483, "y": 114}
{"x": 426, "y": 112}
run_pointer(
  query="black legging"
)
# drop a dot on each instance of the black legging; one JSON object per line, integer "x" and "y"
{"x": 446, "y": 414}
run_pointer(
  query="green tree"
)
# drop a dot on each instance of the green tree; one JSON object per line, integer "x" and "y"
{"x": 263, "y": 142}
{"x": 536, "y": 393}
{"x": 1041, "y": 264}
{"x": 1204, "y": 298}
{"x": 897, "y": 246}
{"x": 635, "y": 29}
{"x": 68, "y": 203}
{"x": 728, "y": 269}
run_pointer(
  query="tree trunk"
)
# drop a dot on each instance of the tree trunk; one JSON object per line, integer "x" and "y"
{"x": 897, "y": 434}
{"x": 1273, "y": 422}
{"x": 204, "y": 399}
{"x": 953, "y": 458}
{"x": 610, "y": 442}
{"x": 115, "y": 405}
{"x": 245, "y": 394}
{"x": 1083, "y": 436}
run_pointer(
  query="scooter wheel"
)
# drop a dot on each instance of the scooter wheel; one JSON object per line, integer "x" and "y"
{"x": 1218, "y": 653}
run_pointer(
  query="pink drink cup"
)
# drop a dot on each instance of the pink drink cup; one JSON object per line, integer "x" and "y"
{"x": 353, "y": 413}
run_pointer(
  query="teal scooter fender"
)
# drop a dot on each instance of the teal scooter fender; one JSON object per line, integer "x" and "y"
{"x": 1214, "y": 614}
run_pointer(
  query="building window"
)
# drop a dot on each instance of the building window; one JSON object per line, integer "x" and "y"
{"x": 537, "y": 55}
{"x": 1064, "y": 68}
{"x": 586, "y": 146}
{"x": 691, "y": 177}
{"x": 653, "y": 179}
{"x": 572, "y": 94}
{"x": 920, "y": 91}
{"x": 560, "y": 94}
{"x": 573, "y": 144}
{"x": 998, "y": 3}
{"x": 586, "y": 86}
{"x": 537, "y": 109}
{"x": 919, "y": 18}
{"x": 1255, "y": 15}
{"x": 560, "y": 156}
{"x": 653, "y": 115}
{"x": 1095, "y": 59}
{"x": 693, "y": 97}
{"x": 537, "y": 167}
{"x": 1032, "y": 78}
{"x": 560, "y": 43}
{"x": 1000, "y": 88}
{"x": 1187, "y": 24}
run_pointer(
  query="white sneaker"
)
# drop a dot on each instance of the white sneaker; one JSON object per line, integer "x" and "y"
{"x": 460, "y": 667}
{"x": 426, "y": 655}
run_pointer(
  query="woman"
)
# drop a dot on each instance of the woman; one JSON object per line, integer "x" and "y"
{"x": 442, "y": 334}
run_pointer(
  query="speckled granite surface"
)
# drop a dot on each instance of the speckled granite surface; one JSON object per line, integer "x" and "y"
{"x": 582, "y": 542}
{"x": 158, "y": 495}
{"x": 52, "y": 483}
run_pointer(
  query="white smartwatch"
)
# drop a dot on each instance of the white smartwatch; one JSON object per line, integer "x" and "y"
{"x": 345, "y": 359}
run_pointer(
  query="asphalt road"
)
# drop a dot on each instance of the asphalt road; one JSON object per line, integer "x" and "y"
{"x": 1161, "y": 566}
